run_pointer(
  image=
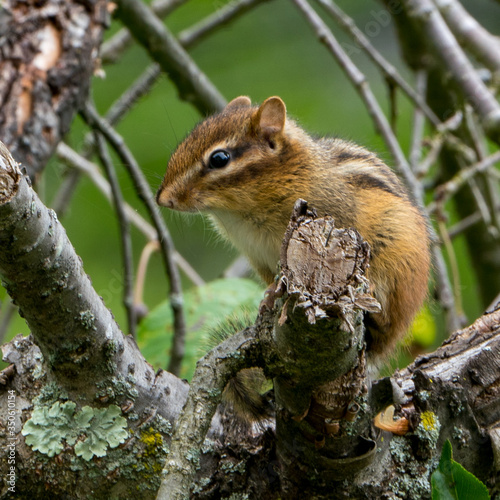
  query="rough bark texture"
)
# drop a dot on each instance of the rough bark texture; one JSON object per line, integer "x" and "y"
{"x": 319, "y": 343}
{"x": 47, "y": 55}
{"x": 80, "y": 355}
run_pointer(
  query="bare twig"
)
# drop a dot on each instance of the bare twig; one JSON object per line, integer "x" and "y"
{"x": 147, "y": 251}
{"x": 226, "y": 14}
{"x": 193, "y": 85}
{"x": 466, "y": 223}
{"x": 389, "y": 71}
{"x": 453, "y": 58}
{"x": 489, "y": 193}
{"x": 167, "y": 246}
{"x": 470, "y": 34}
{"x": 113, "y": 48}
{"x": 436, "y": 143}
{"x": 453, "y": 266}
{"x": 125, "y": 238}
{"x": 448, "y": 189}
{"x": 445, "y": 294}
{"x": 418, "y": 123}
{"x": 116, "y": 112}
{"x": 482, "y": 205}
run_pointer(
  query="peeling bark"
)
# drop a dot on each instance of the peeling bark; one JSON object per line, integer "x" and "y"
{"x": 47, "y": 56}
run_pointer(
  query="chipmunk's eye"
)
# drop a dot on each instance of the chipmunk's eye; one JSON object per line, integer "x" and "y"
{"x": 219, "y": 159}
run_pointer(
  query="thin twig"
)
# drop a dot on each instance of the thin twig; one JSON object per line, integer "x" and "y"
{"x": 389, "y": 71}
{"x": 490, "y": 189}
{"x": 64, "y": 194}
{"x": 192, "y": 84}
{"x": 446, "y": 299}
{"x": 466, "y": 223}
{"x": 437, "y": 141}
{"x": 426, "y": 14}
{"x": 147, "y": 251}
{"x": 445, "y": 191}
{"x": 482, "y": 205}
{"x": 144, "y": 192}
{"x": 112, "y": 49}
{"x": 418, "y": 123}
{"x": 125, "y": 238}
{"x": 453, "y": 265}
{"x": 227, "y": 13}
{"x": 470, "y": 34}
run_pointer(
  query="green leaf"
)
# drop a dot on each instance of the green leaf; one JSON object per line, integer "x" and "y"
{"x": 450, "y": 481}
{"x": 204, "y": 307}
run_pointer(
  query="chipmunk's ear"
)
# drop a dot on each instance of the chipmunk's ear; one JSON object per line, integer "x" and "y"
{"x": 271, "y": 116}
{"x": 242, "y": 101}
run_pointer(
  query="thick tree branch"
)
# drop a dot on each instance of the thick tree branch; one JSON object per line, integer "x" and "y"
{"x": 76, "y": 333}
{"x": 84, "y": 356}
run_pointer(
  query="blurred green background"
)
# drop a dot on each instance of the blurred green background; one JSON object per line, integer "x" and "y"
{"x": 269, "y": 51}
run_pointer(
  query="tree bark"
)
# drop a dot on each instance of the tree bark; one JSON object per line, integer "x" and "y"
{"x": 47, "y": 56}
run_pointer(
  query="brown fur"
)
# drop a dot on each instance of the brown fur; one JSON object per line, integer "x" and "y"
{"x": 274, "y": 162}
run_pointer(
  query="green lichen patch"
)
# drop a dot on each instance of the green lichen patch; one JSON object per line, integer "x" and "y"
{"x": 47, "y": 428}
{"x": 90, "y": 430}
{"x": 106, "y": 427}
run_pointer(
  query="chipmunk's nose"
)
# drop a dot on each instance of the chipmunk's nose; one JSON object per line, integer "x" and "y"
{"x": 163, "y": 199}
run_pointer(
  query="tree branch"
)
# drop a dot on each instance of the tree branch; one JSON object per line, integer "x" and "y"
{"x": 212, "y": 373}
{"x": 446, "y": 48}
{"x": 124, "y": 229}
{"x": 470, "y": 34}
{"x": 192, "y": 84}
{"x": 77, "y": 335}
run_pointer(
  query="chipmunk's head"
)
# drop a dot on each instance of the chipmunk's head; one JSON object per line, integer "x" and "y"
{"x": 227, "y": 158}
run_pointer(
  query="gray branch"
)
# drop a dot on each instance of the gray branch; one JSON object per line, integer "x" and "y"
{"x": 470, "y": 34}
{"x": 193, "y": 85}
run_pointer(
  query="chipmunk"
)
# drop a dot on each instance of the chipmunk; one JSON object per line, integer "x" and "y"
{"x": 247, "y": 165}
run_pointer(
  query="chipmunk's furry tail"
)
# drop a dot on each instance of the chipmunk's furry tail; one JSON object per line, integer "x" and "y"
{"x": 245, "y": 394}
